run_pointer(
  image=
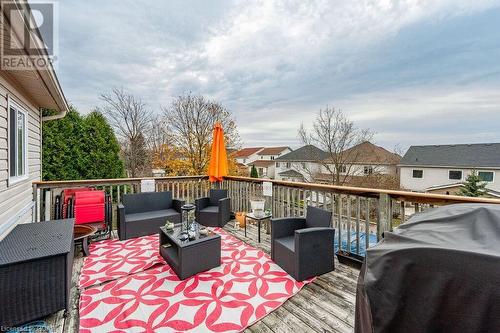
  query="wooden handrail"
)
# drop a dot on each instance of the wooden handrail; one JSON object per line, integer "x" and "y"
{"x": 373, "y": 193}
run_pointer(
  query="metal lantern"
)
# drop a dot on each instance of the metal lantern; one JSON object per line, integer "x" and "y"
{"x": 187, "y": 217}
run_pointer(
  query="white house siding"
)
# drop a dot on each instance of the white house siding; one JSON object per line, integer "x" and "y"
{"x": 439, "y": 176}
{"x": 248, "y": 159}
{"x": 272, "y": 157}
{"x": 310, "y": 170}
{"x": 16, "y": 199}
{"x": 271, "y": 171}
{"x": 267, "y": 171}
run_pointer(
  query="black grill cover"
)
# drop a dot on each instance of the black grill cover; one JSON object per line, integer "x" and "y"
{"x": 439, "y": 272}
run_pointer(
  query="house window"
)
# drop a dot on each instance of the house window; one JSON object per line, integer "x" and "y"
{"x": 272, "y": 157}
{"x": 418, "y": 173}
{"x": 486, "y": 176}
{"x": 261, "y": 157}
{"x": 244, "y": 160}
{"x": 277, "y": 164}
{"x": 455, "y": 174}
{"x": 343, "y": 169}
{"x": 368, "y": 170}
{"x": 288, "y": 165}
{"x": 17, "y": 142}
{"x": 261, "y": 171}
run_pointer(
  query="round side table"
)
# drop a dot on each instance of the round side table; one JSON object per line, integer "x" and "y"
{"x": 81, "y": 233}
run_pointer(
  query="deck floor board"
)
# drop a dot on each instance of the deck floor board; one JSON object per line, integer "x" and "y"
{"x": 326, "y": 305}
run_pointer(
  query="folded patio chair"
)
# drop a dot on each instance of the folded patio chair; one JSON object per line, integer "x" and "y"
{"x": 141, "y": 214}
{"x": 215, "y": 210}
{"x": 87, "y": 206}
{"x": 303, "y": 247}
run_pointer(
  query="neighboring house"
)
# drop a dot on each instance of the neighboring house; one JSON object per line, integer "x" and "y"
{"x": 291, "y": 175}
{"x": 444, "y": 168}
{"x": 265, "y": 163}
{"x": 271, "y": 153}
{"x": 302, "y": 164}
{"x": 362, "y": 161}
{"x": 23, "y": 93}
{"x": 265, "y": 168}
{"x": 247, "y": 155}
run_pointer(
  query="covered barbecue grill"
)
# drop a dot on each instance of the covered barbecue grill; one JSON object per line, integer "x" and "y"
{"x": 439, "y": 272}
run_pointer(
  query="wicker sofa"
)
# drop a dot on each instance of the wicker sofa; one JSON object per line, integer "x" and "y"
{"x": 142, "y": 214}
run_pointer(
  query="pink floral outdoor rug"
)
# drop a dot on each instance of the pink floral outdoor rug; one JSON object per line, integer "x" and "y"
{"x": 246, "y": 287}
{"x": 111, "y": 259}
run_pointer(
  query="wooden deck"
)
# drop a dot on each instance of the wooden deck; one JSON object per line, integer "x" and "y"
{"x": 326, "y": 305}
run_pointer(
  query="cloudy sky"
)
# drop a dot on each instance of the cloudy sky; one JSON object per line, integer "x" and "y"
{"x": 414, "y": 72}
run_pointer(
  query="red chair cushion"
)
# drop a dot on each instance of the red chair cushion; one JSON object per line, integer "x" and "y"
{"x": 69, "y": 193}
{"x": 89, "y": 206}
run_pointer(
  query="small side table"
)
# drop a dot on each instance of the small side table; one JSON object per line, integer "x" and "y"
{"x": 81, "y": 233}
{"x": 251, "y": 216}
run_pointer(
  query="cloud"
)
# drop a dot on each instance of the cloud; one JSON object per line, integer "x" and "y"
{"x": 275, "y": 63}
{"x": 429, "y": 115}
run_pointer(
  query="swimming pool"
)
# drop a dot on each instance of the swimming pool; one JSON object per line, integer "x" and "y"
{"x": 372, "y": 239}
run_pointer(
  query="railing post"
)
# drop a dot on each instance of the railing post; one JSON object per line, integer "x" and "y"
{"x": 384, "y": 212}
{"x": 36, "y": 199}
{"x": 48, "y": 205}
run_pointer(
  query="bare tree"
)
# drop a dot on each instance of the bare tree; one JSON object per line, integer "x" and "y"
{"x": 160, "y": 134}
{"x": 131, "y": 120}
{"x": 334, "y": 133}
{"x": 399, "y": 149}
{"x": 192, "y": 119}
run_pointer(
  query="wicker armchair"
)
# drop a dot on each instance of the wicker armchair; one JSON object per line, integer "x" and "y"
{"x": 215, "y": 210}
{"x": 304, "y": 247}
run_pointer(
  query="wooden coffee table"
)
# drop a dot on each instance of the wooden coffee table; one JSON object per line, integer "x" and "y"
{"x": 190, "y": 257}
{"x": 81, "y": 234}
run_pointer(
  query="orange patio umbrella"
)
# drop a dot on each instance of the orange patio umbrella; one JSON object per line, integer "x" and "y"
{"x": 217, "y": 168}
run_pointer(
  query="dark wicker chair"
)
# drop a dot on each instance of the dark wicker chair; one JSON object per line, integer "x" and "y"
{"x": 213, "y": 211}
{"x": 303, "y": 247}
{"x": 142, "y": 214}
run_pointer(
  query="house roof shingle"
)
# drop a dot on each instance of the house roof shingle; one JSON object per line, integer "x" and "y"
{"x": 460, "y": 155}
{"x": 272, "y": 150}
{"x": 368, "y": 153}
{"x": 262, "y": 163}
{"x": 379, "y": 181}
{"x": 245, "y": 152}
{"x": 291, "y": 173}
{"x": 305, "y": 153}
